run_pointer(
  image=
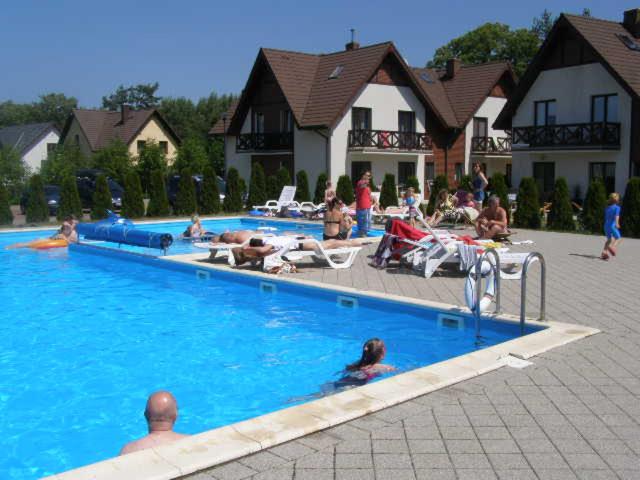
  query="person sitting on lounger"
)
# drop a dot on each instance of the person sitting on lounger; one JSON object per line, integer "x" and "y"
{"x": 337, "y": 224}
{"x": 445, "y": 207}
{"x": 492, "y": 220}
{"x": 239, "y": 236}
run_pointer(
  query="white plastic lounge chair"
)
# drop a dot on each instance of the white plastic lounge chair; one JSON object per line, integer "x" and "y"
{"x": 309, "y": 209}
{"x": 510, "y": 262}
{"x": 286, "y": 200}
{"x": 219, "y": 249}
{"x": 321, "y": 253}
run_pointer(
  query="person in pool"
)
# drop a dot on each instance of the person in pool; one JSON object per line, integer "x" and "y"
{"x": 161, "y": 413}
{"x": 67, "y": 231}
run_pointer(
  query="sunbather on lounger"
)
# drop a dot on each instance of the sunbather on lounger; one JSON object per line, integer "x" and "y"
{"x": 239, "y": 236}
{"x": 492, "y": 220}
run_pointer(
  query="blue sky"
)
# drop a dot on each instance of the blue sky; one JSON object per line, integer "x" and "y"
{"x": 88, "y": 48}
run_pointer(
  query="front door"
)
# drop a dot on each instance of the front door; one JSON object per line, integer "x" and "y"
{"x": 545, "y": 175}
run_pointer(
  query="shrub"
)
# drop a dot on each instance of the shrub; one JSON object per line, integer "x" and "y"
{"x": 388, "y": 192}
{"x": 466, "y": 183}
{"x": 114, "y": 160}
{"x": 321, "y": 182}
{"x": 344, "y": 190}
{"x": 592, "y": 216}
{"x": 233, "y": 197}
{"x": 630, "y": 215}
{"x": 257, "y": 186}
{"x": 210, "y": 195}
{"x": 37, "y": 208}
{"x": 192, "y": 154}
{"x": 132, "y": 202}
{"x": 439, "y": 183}
{"x": 272, "y": 188}
{"x": 302, "y": 187}
{"x": 101, "y": 199}
{"x": 413, "y": 182}
{"x": 151, "y": 158}
{"x": 527, "y": 214}
{"x": 561, "y": 214}
{"x": 284, "y": 179}
{"x": 186, "y": 203}
{"x": 158, "y": 202}
{"x": 6, "y": 217}
{"x": 70, "y": 203}
{"x": 499, "y": 188}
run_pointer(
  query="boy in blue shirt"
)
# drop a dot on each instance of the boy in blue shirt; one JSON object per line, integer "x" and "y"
{"x": 611, "y": 226}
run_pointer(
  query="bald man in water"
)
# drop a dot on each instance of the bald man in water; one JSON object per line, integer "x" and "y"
{"x": 161, "y": 414}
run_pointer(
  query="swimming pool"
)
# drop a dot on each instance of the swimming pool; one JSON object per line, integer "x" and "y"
{"x": 86, "y": 338}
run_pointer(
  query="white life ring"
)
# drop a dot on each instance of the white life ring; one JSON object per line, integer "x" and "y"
{"x": 470, "y": 288}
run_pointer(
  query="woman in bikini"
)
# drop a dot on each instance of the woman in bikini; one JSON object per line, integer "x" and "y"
{"x": 333, "y": 220}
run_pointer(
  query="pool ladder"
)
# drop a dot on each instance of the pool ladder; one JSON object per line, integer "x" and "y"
{"x": 495, "y": 267}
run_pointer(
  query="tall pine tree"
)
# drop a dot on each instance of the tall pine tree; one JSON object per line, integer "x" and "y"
{"x": 186, "y": 203}
{"x": 101, "y": 199}
{"x": 210, "y": 195}
{"x": 257, "y": 186}
{"x": 321, "y": 186}
{"x": 561, "y": 214}
{"x": 527, "y": 215}
{"x": 6, "y": 217}
{"x": 388, "y": 192}
{"x": 158, "y": 202}
{"x": 592, "y": 215}
{"x": 132, "y": 201}
{"x": 70, "y": 203}
{"x": 630, "y": 216}
{"x": 233, "y": 197}
{"x": 37, "y": 208}
{"x": 302, "y": 187}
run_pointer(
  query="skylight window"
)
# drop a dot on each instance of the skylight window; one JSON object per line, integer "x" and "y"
{"x": 336, "y": 72}
{"x": 426, "y": 77}
{"x": 629, "y": 42}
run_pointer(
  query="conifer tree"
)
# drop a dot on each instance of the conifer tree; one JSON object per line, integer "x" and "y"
{"x": 132, "y": 201}
{"x": 186, "y": 203}
{"x": 344, "y": 190}
{"x": 388, "y": 192}
{"x": 439, "y": 183}
{"x": 233, "y": 197}
{"x": 70, "y": 203}
{"x": 413, "y": 182}
{"x": 37, "y": 208}
{"x": 6, "y": 217}
{"x": 210, "y": 195}
{"x": 527, "y": 214}
{"x": 630, "y": 215}
{"x": 272, "y": 188}
{"x": 101, "y": 199}
{"x": 561, "y": 214}
{"x": 302, "y": 187}
{"x": 284, "y": 179}
{"x": 321, "y": 186}
{"x": 499, "y": 188}
{"x": 257, "y": 186}
{"x": 158, "y": 202}
{"x": 592, "y": 215}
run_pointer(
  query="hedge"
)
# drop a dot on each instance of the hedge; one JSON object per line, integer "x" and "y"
{"x": 527, "y": 215}
{"x": 132, "y": 202}
{"x": 592, "y": 216}
{"x": 302, "y": 187}
{"x": 499, "y": 188}
{"x": 233, "y": 197}
{"x": 466, "y": 183}
{"x": 388, "y": 192}
{"x": 344, "y": 190}
{"x": 561, "y": 214}
{"x": 37, "y": 208}
{"x": 186, "y": 202}
{"x": 284, "y": 179}
{"x": 70, "y": 203}
{"x": 630, "y": 215}
{"x": 101, "y": 199}
{"x": 209, "y": 201}
{"x": 413, "y": 182}
{"x": 158, "y": 202}
{"x": 321, "y": 186}
{"x": 257, "y": 186}
{"x": 6, "y": 217}
{"x": 272, "y": 188}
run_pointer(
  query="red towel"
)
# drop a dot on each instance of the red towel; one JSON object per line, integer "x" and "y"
{"x": 404, "y": 230}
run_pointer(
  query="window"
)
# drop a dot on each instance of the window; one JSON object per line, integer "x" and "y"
{"x": 257, "y": 122}
{"x": 629, "y": 42}
{"x": 426, "y": 77}
{"x": 459, "y": 172}
{"x": 429, "y": 171}
{"x": 51, "y": 147}
{"x": 360, "y": 118}
{"x": 605, "y": 171}
{"x": 357, "y": 169}
{"x": 405, "y": 170}
{"x": 604, "y": 108}
{"x": 480, "y": 128}
{"x": 164, "y": 146}
{"x": 509, "y": 171}
{"x": 545, "y": 113}
{"x": 140, "y": 145}
{"x": 406, "y": 122}
{"x": 336, "y": 72}
{"x": 286, "y": 121}
{"x": 545, "y": 176}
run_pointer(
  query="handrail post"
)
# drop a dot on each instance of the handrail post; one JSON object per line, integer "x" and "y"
{"x": 523, "y": 288}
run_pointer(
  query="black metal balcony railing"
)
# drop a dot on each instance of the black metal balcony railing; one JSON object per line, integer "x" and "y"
{"x": 389, "y": 140}
{"x": 264, "y": 141}
{"x": 602, "y": 135}
{"x": 491, "y": 145}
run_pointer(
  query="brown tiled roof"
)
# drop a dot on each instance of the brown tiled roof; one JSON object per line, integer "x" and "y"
{"x": 436, "y": 92}
{"x": 602, "y": 35}
{"x": 102, "y": 127}
{"x": 219, "y": 126}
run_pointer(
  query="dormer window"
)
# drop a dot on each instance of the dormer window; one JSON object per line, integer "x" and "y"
{"x": 336, "y": 72}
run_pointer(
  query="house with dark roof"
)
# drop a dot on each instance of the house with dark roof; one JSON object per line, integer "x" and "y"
{"x": 93, "y": 130}
{"x": 366, "y": 109}
{"x": 576, "y": 112}
{"x": 33, "y": 142}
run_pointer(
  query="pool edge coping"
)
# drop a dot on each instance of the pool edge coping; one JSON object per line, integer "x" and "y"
{"x": 230, "y": 442}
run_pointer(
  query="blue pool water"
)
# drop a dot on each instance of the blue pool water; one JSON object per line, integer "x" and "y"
{"x": 86, "y": 338}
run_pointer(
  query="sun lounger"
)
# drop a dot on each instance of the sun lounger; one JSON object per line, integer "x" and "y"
{"x": 286, "y": 200}
{"x": 320, "y": 252}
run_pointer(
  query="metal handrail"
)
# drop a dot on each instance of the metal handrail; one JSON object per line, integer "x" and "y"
{"x": 496, "y": 282}
{"x": 523, "y": 287}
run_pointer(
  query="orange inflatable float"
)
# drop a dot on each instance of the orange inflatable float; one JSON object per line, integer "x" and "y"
{"x": 46, "y": 243}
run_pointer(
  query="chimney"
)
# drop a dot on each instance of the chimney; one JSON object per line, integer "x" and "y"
{"x": 124, "y": 112}
{"x": 352, "y": 45}
{"x": 632, "y": 22}
{"x": 453, "y": 65}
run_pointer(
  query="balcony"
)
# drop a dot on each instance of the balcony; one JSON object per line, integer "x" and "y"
{"x": 491, "y": 145}
{"x": 573, "y": 136}
{"x": 389, "y": 140}
{"x": 264, "y": 142}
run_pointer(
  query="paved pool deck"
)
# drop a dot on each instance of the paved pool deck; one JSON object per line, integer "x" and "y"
{"x": 575, "y": 413}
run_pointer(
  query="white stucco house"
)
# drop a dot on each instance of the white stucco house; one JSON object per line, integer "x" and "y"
{"x": 362, "y": 109}
{"x": 576, "y": 112}
{"x": 33, "y": 142}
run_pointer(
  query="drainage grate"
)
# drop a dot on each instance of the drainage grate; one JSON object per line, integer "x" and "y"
{"x": 348, "y": 302}
{"x": 203, "y": 275}
{"x": 450, "y": 321}
{"x": 268, "y": 287}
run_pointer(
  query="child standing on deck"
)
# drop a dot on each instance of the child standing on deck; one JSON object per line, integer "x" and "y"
{"x": 611, "y": 226}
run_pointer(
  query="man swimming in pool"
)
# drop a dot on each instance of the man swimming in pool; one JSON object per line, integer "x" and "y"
{"x": 161, "y": 414}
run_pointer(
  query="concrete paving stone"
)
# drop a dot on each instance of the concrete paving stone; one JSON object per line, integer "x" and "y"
{"x": 354, "y": 460}
{"x": 627, "y": 474}
{"x": 527, "y": 432}
{"x": 574, "y": 445}
{"x": 546, "y": 461}
{"x": 521, "y": 474}
{"x": 425, "y": 432}
{"x": 426, "y": 446}
{"x": 500, "y": 446}
{"x": 292, "y": 450}
{"x": 435, "y": 474}
{"x": 395, "y": 474}
{"x": 392, "y": 460}
{"x": 474, "y": 409}
{"x": 507, "y": 461}
{"x": 362, "y": 445}
{"x": 595, "y": 432}
{"x": 511, "y": 409}
{"x": 432, "y": 461}
{"x": 368, "y": 423}
{"x": 476, "y": 474}
{"x": 596, "y": 475}
{"x": 457, "y": 433}
{"x": 620, "y": 461}
{"x": 231, "y": 471}
{"x": 263, "y": 461}
{"x": 314, "y": 474}
{"x": 452, "y": 421}
{"x": 316, "y": 460}
{"x": 555, "y": 474}
{"x": 347, "y": 432}
{"x": 201, "y": 476}
{"x": 615, "y": 420}
{"x": 585, "y": 461}
{"x": 275, "y": 474}
{"x": 390, "y": 446}
{"x": 355, "y": 474}
{"x": 498, "y": 433}
{"x": 392, "y": 432}
{"x": 469, "y": 460}
{"x": 463, "y": 446}
{"x": 614, "y": 446}
{"x": 319, "y": 440}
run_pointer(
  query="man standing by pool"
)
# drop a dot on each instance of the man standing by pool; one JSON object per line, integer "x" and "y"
{"x": 363, "y": 204}
{"x": 161, "y": 414}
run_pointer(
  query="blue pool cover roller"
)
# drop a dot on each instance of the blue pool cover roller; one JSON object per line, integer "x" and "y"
{"x": 121, "y": 230}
